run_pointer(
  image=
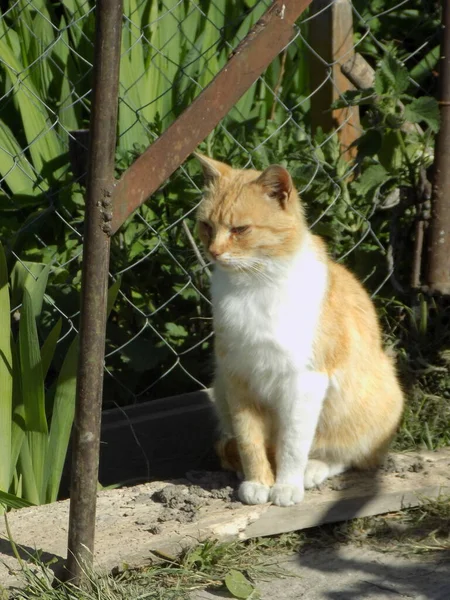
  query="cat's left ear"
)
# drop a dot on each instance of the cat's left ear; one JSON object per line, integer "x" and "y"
{"x": 212, "y": 169}
{"x": 277, "y": 183}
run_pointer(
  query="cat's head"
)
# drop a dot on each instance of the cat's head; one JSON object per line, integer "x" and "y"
{"x": 248, "y": 219}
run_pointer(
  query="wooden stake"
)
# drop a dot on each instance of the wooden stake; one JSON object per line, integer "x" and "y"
{"x": 331, "y": 37}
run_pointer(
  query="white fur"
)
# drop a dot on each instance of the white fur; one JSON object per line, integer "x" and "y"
{"x": 317, "y": 471}
{"x": 268, "y": 324}
{"x": 252, "y": 492}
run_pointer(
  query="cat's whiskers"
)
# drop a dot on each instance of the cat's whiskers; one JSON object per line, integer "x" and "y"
{"x": 250, "y": 266}
{"x": 258, "y": 267}
{"x": 260, "y": 274}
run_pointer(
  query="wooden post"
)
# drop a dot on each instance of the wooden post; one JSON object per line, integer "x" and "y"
{"x": 331, "y": 37}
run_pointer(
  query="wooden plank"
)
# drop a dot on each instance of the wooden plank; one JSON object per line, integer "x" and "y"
{"x": 132, "y": 524}
{"x": 415, "y": 477}
{"x": 331, "y": 38}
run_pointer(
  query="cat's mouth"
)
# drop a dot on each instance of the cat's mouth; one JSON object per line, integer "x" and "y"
{"x": 238, "y": 265}
{"x": 226, "y": 265}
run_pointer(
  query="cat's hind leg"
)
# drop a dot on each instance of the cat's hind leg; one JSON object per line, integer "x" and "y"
{"x": 317, "y": 471}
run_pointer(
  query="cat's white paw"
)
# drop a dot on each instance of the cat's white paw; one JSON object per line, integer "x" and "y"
{"x": 285, "y": 494}
{"x": 316, "y": 472}
{"x": 252, "y": 492}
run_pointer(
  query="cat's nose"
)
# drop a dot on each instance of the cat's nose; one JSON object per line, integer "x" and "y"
{"x": 214, "y": 253}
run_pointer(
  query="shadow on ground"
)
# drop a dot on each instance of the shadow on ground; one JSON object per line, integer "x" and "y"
{"x": 351, "y": 572}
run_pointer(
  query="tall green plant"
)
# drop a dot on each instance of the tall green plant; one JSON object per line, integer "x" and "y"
{"x": 170, "y": 51}
{"x": 6, "y": 388}
{"x": 35, "y": 422}
{"x": 34, "y": 436}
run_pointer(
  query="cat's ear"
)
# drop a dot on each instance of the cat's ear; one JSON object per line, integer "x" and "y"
{"x": 212, "y": 169}
{"x": 277, "y": 183}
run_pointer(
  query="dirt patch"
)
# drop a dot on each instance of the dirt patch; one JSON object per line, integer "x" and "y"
{"x": 182, "y": 500}
{"x": 395, "y": 464}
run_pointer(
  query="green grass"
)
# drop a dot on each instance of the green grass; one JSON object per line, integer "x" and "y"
{"x": 421, "y": 530}
{"x": 420, "y": 336}
{"x": 424, "y": 529}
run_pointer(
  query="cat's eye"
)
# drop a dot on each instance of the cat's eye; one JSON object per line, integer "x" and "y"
{"x": 240, "y": 230}
{"x": 206, "y": 227}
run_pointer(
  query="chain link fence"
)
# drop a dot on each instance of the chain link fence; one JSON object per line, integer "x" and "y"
{"x": 362, "y": 197}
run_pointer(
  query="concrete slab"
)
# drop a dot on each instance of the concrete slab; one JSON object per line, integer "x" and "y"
{"x": 354, "y": 573}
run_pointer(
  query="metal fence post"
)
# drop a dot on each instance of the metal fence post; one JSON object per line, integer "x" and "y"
{"x": 438, "y": 269}
{"x": 100, "y": 182}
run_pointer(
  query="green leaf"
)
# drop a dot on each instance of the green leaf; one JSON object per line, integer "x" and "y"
{"x": 354, "y": 98}
{"x": 62, "y": 420}
{"x": 33, "y": 400}
{"x": 176, "y": 331}
{"x": 14, "y": 166}
{"x": 27, "y": 470}
{"x": 36, "y": 288}
{"x": 44, "y": 144}
{"x": 391, "y": 77}
{"x": 112, "y": 295}
{"x": 424, "y": 109}
{"x": 17, "y": 437}
{"x": 6, "y": 378}
{"x": 12, "y": 501}
{"x": 369, "y": 143}
{"x": 390, "y": 154}
{"x": 238, "y": 585}
{"x": 371, "y": 178}
{"x": 31, "y": 368}
{"x": 23, "y": 274}
{"x": 49, "y": 346}
{"x": 425, "y": 66}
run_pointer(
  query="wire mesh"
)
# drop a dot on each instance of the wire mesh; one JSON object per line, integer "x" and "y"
{"x": 159, "y": 334}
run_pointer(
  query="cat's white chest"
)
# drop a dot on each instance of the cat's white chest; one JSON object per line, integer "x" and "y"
{"x": 268, "y": 331}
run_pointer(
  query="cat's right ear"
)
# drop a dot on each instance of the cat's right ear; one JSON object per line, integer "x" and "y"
{"x": 212, "y": 169}
{"x": 277, "y": 183}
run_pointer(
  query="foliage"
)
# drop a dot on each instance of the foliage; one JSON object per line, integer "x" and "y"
{"x": 35, "y": 424}
{"x": 53, "y": 45}
{"x": 410, "y": 30}
{"x": 37, "y": 404}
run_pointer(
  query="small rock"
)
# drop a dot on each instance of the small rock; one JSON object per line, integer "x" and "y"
{"x": 142, "y": 498}
{"x": 155, "y": 529}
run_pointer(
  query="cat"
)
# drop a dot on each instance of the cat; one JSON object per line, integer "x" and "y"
{"x": 303, "y": 387}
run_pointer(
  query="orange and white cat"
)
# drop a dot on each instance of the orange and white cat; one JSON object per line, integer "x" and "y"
{"x": 303, "y": 386}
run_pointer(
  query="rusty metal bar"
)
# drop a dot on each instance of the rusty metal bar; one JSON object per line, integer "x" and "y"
{"x": 262, "y": 44}
{"x": 100, "y": 181}
{"x": 438, "y": 268}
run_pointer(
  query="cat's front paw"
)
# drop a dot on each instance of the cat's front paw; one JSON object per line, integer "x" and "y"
{"x": 286, "y": 494}
{"x": 252, "y": 492}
